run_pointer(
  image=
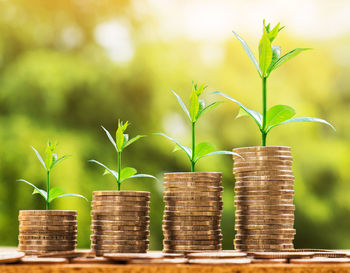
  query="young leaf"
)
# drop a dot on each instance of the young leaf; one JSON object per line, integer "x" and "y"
{"x": 252, "y": 113}
{"x": 221, "y": 153}
{"x": 132, "y": 140}
{"x": 36, "y": 189}
{"x": 183, "y": 106}
{"x": 56, "y": 161}
{"x": 288, "y": 56}
{"x": 273, "y": 33}
{"x": 114, "y": 173}
{"x": 72, "y": 195}
{"x": 199, "y": 90}
{"x": 186, "y": 149}
{"x": 276, "y": 53}
{"x": 143, "y": 175}
{"x": 127, "y": 173}
{"x": 202, "y": 149}
{"x": 55, "y": 192}
{"x": 208, "y": 108}
{"x": 278, "y": 114}
{"x": 265, "y": 53}
{"x": 194, "y": 106}
{"x": 110, "y": 137}
{"x": 249, "y": 52}
{"x": 305, "y": 119}
{"x": 39, "y": 157}
{"x": 120, "y": 137}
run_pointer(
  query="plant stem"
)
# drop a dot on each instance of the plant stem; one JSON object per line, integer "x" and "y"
{"x": 47, "y": 190}
{"x": 193, "y": 146}
{"x": 264, "y": 134}
{"x": 119, "y": 168}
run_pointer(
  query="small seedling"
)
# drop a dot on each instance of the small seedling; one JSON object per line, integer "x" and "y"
{"x": 196, "y": 110}
{"x": 51, "y": 161}
{"x": 120, "y": 143}
{"x": 270, "y": 59}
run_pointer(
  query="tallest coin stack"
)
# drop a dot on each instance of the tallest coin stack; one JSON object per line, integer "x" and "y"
{"x": 264, "y": 199}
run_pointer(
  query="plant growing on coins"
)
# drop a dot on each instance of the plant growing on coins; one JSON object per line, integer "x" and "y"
{"x": 51, "y": 161}
{"x": 196, "y": 110}
{"x": 120, "y": 143}
{"x": 269, "y": 60}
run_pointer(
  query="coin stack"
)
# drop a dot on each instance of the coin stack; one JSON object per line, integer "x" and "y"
{"x": 43, "y": 231}
{"x": 264, "y": 199}
{"x": 120, "y": 222}
{"x": 192, "y": 215}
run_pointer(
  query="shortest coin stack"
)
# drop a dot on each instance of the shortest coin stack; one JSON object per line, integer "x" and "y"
{"x": 264, "y": 199}
{"x": 192, "y": 215}
{"x": 120, "y": 222}
{"x": 43, "y": 231}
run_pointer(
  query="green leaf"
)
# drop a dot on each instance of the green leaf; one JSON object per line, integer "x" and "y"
{"x": 143, "y": 175}
{"x": 208, "y": 108}
{"x": 257, "y": 117}
{"x": 249, "y": 52}
{"x": 186, "y": 149}
{"x": 72, "y": 195}
{"x": 39, "y": 157}
{"x": 305, "y": 119}
{"x": 278, "y": 114}
{"x": 127, "y": 173}
{"x": 221, "y": 153}
{"x": 288, "y": 56}
{"x": 55, "y": 193}
{"x": 194, "y": 106}
{"x": 120, "y": 138}
{"x": 36, "y": 189}
{"x": 199, "y": 90}
{"x": 276, "y": 53}
{"x": 56, "y": 161}
{"x": 273, "y": 33}
{"x": 202, "y": 149}
{"x": 265, "y": 53}
{"x": 183, "y": 106}
{"x": 114, "y": 173}
{"x": 133, "y": 140}
{"x": 110, "y": 137}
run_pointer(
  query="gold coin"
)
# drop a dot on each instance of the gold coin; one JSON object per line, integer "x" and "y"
{"x": 194, "y": 174}
{"x": 261, "y": 217}
{"x": 47, "y": 242}
{"x": 102, "y": 198}
{"x": 191, "y": 248}
{"x": 121, "y": 248}
{"x": 122, "y": 193}
{"x": 103, "y": 242}
{"x": 118, "y": 233}
{"x": 119, "y": 213}
{"x": 171, "y": 233}
{"x": 264, "y": 237}
{"x": 268, "y": 202}
{"x": 262, "y": 231}
{"x": 191, "y": 242}
{"x": 194, "y": 189}
{"x": 262, "y": 222}
{"x": 182, "y": 184}
{"x": 47, "y": 212}
{"x": 120, "y": 223}
{"x": 43, "y": 218}
{"x": 190, "y": 223}
{"x": 48, "y": 223}
{"x": 99, "y": 217}
{"x": 195, "y": 203}
{"x": 189, "y": 208}
{"x": 263, "y": 163}
{"x": 119, "y": 203}
{"x": 49, "y": 232}
{"x": 118, "y": 237}
{"x": 122, "y": 208}
{"x": 257, "y": 168}
{"x": 246, "y": 197}
{"x": 217, "y": 255}
{"x": 193, "y": 213}
{"x": 248, "y": 173}
{"x": 45, "y": 248}
{"x": 192, "y": 218}
{"x": 283, "y": 255}
{"x": 188, "y": 228}
{"x": 263, "y": 247}
{"x": 184, "y": 193}
{"x": 264, "y": 183}
{"x": 194, "y": 237}
{"x": 253, "y": 157}
{"x": 117, "y": 227}
{"x": 43, "y": 237}
{"x": 192, "y": 198}
{"x": 47, "y": 228}
{"x": 255, "y": 191}
{"x": 267, "y": 207}
{"x": 263, "y": 242}
{"x": 265, "y": 226}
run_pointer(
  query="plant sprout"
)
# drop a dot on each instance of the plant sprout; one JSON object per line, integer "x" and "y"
{"x": 51, "y": 160}
{"x": 196, "y": 110}
{"x": 120, "y": 143}
{"x": 270, "y": 59}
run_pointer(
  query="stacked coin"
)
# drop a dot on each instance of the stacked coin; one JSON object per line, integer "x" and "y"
{"x": 120, "y": 222}
{"x": 43, "y": 231}
{"x": 264, "y": 199}
{"x": 192, "y": 215}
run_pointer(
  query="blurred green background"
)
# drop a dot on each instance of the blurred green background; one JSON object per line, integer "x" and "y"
{"x": 68, "y": 67}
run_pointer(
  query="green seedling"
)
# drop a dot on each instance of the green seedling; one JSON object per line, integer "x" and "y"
{"x": 120, "y": 143}
{"x": 269, "y": 60}
{"x": 51, "y": 161}
{"x": 196, "y": 110}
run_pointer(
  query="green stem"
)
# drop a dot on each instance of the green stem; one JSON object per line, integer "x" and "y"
{"x": 193, "y": 146}
{"x": 264, "y": 133}
{"x": 119, "y": 168}
{"x": 47, "y": 190}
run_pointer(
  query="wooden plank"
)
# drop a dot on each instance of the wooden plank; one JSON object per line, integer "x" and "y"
{"x": 111, "y": 268}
